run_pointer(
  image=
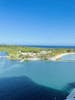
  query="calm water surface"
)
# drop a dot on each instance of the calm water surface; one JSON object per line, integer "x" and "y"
{"x": 69, "y": 57}
{"x": 51, "y": 74}
{"x": 58, "y": 76}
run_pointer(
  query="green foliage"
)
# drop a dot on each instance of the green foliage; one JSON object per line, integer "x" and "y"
{"x": 13, "y": 51}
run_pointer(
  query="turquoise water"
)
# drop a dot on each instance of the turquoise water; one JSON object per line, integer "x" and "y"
{"x": 70, "y": 57}
{"x": 55, "y": 75}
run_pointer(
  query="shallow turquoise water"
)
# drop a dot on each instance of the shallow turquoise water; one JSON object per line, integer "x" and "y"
{"x": 70, "y": 57}
{"x": 55, "y": 75}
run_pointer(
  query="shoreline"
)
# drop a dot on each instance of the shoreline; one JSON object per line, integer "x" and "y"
{"x": 60, "y": 55}
{"x": 54, "y": 58}
{"x": 30, "y": 59}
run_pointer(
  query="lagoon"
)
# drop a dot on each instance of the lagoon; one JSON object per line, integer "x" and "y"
{"x": 55, "y": 76}
{"x": 50, "y": 74}
{"x": 69, "y": 57}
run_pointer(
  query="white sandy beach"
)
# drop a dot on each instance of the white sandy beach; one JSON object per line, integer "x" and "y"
{"x": 52, "y": 58}
{"x": 60, "y": 55}
{"x": 30, "y": 59}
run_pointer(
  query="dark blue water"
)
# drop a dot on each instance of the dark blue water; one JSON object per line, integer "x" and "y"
{"x": 23, "y": 88}
{"x": 48, "y": 46}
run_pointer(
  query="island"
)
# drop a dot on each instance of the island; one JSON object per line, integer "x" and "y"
{"x": 25, "y": 53}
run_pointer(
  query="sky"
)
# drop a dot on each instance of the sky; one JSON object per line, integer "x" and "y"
{"x": 37, "y": 22}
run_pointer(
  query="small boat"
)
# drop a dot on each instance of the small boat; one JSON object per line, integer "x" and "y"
{"x": 71, "y": 96}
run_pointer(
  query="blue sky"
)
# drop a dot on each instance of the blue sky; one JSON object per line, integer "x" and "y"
{"x": 38, "y": 22}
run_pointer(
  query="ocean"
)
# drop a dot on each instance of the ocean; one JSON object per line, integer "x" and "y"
{"x": 36, "y": 80}
{"x": 49, "y": 46}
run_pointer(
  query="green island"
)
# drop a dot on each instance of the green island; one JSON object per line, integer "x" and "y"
{"x": 24, "y": 53}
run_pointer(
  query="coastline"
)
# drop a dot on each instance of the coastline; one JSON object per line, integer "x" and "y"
{"x": 30, "y": 59}
{"x": 54, "y": 58}
{"x": 33, "y": 54}
{"x": 61, "y": 55}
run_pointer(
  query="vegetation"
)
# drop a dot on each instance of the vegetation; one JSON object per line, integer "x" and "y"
{"x": 22, "y": 52}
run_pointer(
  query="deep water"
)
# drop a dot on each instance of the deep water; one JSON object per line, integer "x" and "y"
{"x": 23, "y": 88}
{"x": 49, "y": 46}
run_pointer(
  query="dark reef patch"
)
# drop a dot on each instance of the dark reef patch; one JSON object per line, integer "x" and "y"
{"x": 23, "y": 88}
